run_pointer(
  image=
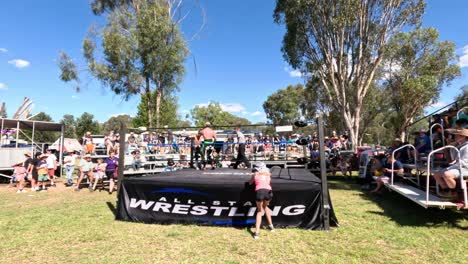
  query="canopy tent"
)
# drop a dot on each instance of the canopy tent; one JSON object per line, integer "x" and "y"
{"x": 69, "y": 145}
{"x": 30, "y": 124}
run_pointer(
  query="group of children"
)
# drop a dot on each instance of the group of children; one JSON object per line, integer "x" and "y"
{"x": 38, "y": 171}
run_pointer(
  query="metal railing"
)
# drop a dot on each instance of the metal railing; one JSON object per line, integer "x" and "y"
{"x": 462, "y": 110}
{"x": 429, "y": 166}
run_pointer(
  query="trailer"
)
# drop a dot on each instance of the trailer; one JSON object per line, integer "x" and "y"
{"x": 14, "y": 153}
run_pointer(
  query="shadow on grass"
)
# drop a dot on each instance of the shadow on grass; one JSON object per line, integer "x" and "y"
{"x": 343, "y": 184}
{"x": 405, "y": 212}
{"x": 112, "y": 208}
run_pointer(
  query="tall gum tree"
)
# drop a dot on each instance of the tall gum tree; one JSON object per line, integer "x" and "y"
{"x": 342, "y": 43}
{"x": 141, "y": 50}
{"x": 415, "y": 68}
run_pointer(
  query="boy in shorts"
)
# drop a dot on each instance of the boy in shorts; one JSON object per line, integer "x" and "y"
{"x": 43, "y": 175}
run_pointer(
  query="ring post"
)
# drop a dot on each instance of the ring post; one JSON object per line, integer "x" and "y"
{"x": 323, "y": 176}
{"x": 122, "y": 147}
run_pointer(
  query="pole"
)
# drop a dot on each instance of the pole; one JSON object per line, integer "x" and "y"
{"x": 32, "y": 138}
{"x": 1, "y": 134}
{"x": 120, "y": 169}
{"x": 323, "y": 176}
{"x": 61, "y": 150}
{"x": 17, "y": 132}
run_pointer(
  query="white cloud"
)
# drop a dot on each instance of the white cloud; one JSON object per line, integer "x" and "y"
{"x": 3, "y": 87}
{"x": 257, "y": 113}
{"x": 228, "y": 107}
{"x": 438, "y": 105}
{"x": 293, "y": 73}
{"x": 3, "y": 50}
{"x": 118, "y": 114}
{"x": 19, "y": 63}
{"x": 76, "y": 97}
{"x": 233, "y": 107}
{"x": 464, "y": 57}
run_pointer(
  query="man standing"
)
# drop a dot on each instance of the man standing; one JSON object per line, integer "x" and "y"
{"x": 241, "y": 150}
{"x": 209, "y": 137}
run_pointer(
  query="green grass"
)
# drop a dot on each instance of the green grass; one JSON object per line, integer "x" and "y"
{"x": 62, "y": 226}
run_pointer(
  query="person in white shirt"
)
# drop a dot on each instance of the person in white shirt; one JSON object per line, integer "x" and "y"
{"x": 241, "y": 150}
{"x": 69, "y": 162}
{"x": 51, "y": 166}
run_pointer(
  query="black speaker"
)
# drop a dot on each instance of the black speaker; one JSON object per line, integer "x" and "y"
{"x": 302, "y": 142}
{"x": 300, "y": 123}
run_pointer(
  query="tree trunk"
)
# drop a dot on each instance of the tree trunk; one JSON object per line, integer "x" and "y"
{"x": 158, "y": 106}
{"x": 149, "y": 110}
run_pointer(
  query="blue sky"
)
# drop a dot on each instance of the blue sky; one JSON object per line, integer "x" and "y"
{"x": 237, "y": 56}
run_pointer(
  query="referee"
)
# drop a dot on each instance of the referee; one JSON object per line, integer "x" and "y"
{"x": 241, "y": 150}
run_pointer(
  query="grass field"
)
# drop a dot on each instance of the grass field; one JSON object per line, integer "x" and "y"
{"x": 62, "y": 226}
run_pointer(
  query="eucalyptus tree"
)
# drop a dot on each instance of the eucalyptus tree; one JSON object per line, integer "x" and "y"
{"x": 416, "y": 67}
{"x": 342, "y": 42}
{"x": 141, "y": 50}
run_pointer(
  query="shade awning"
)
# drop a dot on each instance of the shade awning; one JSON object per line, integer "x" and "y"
{"x": 28, "y": 124}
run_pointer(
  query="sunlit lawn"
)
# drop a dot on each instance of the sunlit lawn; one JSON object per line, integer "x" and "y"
{"x": 62, "y": 226}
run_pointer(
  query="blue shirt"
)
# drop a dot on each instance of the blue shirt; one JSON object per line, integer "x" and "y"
{"x": 424, "y": 144}
{"x": 396, "y": 166}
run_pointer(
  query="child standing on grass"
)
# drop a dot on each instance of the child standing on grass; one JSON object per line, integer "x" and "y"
{"x": 264, "y": 194}
{"x": 19, "y": 173}
{"x": 42, "y": 172}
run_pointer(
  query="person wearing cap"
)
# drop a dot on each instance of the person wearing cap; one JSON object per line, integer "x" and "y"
{"x": 86, "y": 169}
{"x": 19, "y": 175}
{"x": 43, "y": 175}
{"x": 388, "y": 170}
{"x": 263, "y": 194}
{"x": 396, "y": 144}
{"x": 51, "y": 166}
{"x": 69, "y": 162}
{"x": 209, "y": 137}
{"x": 88, "y": 145}
{"x": 447, "y": 179}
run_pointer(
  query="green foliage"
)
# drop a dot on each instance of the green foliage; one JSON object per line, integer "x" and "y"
{"x": 341, "y": 43}
{"x": 462, "y": 97}
{"x": 85, "y": 123}
{"x": 284, "y": 106}
{"x": 70, "y": 126}
{"x": 68, "y": 70}
{"x": 114, "y": 123}
{"x": 142, "y": 50}
{"x": 101, "y": 6}
{"x": 169, "y": 116}
{"x": 416, "y": 67}
{"x": 43, "y": 136}
{"x": 214, "y": 114}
